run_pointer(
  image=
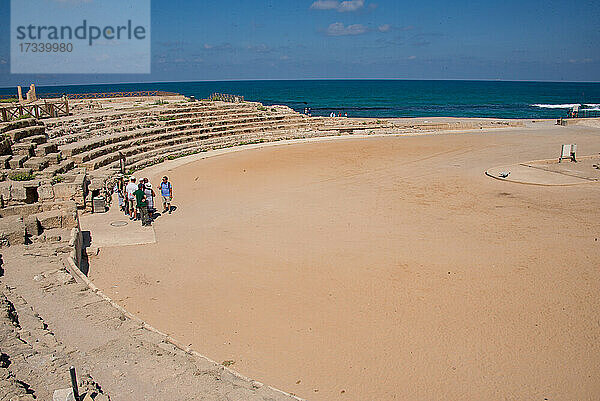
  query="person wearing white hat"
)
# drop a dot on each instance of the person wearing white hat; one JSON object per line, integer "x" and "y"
{"x": 149, "y": 196}
{"x": 130, "y": 189}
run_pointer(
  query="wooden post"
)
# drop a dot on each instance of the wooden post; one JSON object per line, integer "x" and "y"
{"x": 74, "y": 383}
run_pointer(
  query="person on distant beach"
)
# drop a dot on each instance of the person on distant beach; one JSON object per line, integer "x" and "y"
{"x": 130, "y": 189}
{"x": 166, "y": 191}
{"x": 142, "y": 204}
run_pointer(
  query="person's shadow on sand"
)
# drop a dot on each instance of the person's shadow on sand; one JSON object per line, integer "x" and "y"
{"x": 156, "y": 214}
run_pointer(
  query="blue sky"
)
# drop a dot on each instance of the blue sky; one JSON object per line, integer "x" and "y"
{"x": 552, "y": 40}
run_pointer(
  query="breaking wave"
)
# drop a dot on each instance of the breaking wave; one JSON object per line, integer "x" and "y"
{"x": 556, "y": 106}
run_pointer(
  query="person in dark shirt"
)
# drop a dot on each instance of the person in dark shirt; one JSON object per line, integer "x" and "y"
{"x": 142, "y": 204}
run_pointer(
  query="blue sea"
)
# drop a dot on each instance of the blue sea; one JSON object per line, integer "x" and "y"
{"x": 384, "y": 98}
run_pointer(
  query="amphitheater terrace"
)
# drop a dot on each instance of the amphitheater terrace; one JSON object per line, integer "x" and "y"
{"x": 66, "y": 301}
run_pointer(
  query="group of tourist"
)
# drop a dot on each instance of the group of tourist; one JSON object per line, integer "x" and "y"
{"x": 137, "y": 199}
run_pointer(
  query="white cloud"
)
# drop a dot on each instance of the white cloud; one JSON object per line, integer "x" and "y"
{"x": 339, "y": 29}
{"x": 384, "y": 28}
{"x": 340, "y": 6}
{"x": 412, "y": 57}
{"x": 325, "y": 5}
{"x": 351, "y": 5}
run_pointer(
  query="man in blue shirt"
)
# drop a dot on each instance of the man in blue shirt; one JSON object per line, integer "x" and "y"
{"x": 166, "y": 191}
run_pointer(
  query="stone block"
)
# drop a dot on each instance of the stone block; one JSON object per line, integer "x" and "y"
{"x": 19, "y": 171}
{"x": 23, "y": 148}
{"x": 21, "y": 133}
{"x": 45, "y": 192}
{"x": 53, "y": 158}
{"x": 5, "y": 146}
{"x": 32, "y": 225}
{"x": 12, "y": 231}
{"x": 75, "y": 190}
{"x": 5, "y": 190}
{"x": 69, "y": 217}
{"x": 65, "y": 191}
{"x": 36, "y": 163}
{"x": 50, "y": 219}
{"x": 20, "y": 210}
{"x": 36, "y": 139}
{"x": 4, "y": 159}
{"x": 17, "y": 161}
{"x": 18, "y": 192}
{"x": 64, "y": 394}
{"x": 53, "y": 235}
{"x": 45, "y": 148}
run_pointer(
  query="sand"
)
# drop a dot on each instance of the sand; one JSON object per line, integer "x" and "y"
{"x": 380, "y": 269}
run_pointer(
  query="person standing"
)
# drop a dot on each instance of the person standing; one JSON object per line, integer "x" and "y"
{"x": 130, "y": 189}
{"x": 142, "y": 204}
{"x": 119, "y": 192}
{"x": 166, "y": 191}
{"x": 149, "y": 196}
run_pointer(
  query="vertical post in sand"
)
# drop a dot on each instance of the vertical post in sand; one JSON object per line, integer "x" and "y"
{"x": 74, "y": 383}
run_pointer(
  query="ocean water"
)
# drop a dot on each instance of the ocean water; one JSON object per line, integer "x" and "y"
{"x": 385, "y": 98}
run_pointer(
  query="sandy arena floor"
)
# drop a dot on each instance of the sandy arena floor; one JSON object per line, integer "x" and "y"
{"x": 380, "y": 269}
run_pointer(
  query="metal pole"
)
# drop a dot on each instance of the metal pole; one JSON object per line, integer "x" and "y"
{"x": 74, "y": 383}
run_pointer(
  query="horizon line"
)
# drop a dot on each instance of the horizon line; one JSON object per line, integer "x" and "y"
{"x": 308, "y": 79}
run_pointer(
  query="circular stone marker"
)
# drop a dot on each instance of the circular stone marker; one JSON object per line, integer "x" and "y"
{"x": 119, "y": 223}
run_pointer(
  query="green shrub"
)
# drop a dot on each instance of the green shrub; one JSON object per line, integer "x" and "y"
{"x": 9, "y": 100}
{"x": 22, "y": 176}
{"x": 262, "y": 108}
{"x": 56, "y": 179}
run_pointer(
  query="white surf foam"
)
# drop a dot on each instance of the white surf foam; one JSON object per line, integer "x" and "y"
{"x": 556, "y": 106}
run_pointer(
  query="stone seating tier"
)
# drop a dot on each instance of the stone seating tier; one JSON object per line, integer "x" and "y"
{"x": 116, "y": 143}
{"x": 17, "y": 124}
{"x": 142, "y": 144}
{"x": 69, "y": 134}
{"x": 83, "y": 133}
{"x": 92, "y": 143}
{"x": 229, "y": 119}
{"x": 231, "y": 124}
{"x": 201, "y": 144}
{"x": 85, "y": 145}
{"x": 37, "y": 139}
{"x": 19, "y": 134}
{"x": 117, "y": 117}
{"x": 197, "y": 117}
{"x": 63, "y": 132}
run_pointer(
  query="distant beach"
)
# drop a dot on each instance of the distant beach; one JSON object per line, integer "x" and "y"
{"x": 383, "y": 98}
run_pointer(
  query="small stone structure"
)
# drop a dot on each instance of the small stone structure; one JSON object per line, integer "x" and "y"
{"x": 31, "y": 96}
